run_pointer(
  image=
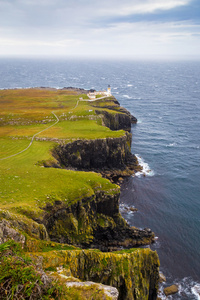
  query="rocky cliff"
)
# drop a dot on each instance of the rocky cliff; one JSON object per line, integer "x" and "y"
{"x": 134, "y": 274}
{"x": 113, "y": 115}
{"x": 93, "y": 222}
{"x": 111, "y": 156}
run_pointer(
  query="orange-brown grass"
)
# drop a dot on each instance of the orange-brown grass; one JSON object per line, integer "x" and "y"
{"x": 33, "y": 104}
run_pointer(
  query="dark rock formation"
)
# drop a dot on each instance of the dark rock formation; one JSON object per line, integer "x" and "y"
{"x": 93, "y": 222}
{"x": 116, "y": 121}
{"x": 111, "y": 156}
{"x": 95, "y": 154}
{"x": 121, "y": 119}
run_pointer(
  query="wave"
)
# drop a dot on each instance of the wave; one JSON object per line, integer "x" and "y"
{"x": 129, "y": 85}
{"x": 146, "y": 170}
{"x": 124, "y": 208}
{"x": 171, "y": 145}
{"x": 196, "y": 290}
{"x": 127, "y": 96}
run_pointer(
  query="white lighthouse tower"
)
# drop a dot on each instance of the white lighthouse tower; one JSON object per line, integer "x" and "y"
{"x": 109, "y": 90}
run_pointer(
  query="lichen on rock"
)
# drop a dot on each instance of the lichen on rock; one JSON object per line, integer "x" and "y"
{"x": 135, "y": 274}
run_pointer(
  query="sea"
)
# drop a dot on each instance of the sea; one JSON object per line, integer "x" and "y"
{"x": 165, "y": 98}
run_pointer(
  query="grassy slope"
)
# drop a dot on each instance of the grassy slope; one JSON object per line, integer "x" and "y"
{"x": 25, "y": 186}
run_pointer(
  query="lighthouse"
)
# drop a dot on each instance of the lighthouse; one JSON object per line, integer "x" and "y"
{"x": 109, "y": 90}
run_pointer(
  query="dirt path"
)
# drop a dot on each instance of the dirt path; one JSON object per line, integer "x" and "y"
{"x": 57, "y": 120}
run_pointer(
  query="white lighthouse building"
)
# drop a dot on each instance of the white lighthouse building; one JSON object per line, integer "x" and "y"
{"x": 109, "y": 90}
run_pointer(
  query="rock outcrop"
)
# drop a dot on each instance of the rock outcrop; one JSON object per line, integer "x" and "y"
{"x": 113, "y": 115}
{"x": 93, "y": 222}
{"x": 19, "y": 223}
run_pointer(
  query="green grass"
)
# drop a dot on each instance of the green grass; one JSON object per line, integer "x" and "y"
{"x": 25, "y": 185}
{"x": 126, "y": 251}
{"x": 80, "y": 129}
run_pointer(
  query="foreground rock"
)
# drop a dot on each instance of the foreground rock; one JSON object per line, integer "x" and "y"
{"x": 134, "y": 274}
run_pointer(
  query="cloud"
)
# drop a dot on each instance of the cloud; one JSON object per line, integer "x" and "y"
{"x": 91, "y": 27}
{"x": 143, "y": 7}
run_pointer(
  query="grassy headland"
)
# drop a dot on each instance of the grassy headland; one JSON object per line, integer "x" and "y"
{"x": 25, "y": 185}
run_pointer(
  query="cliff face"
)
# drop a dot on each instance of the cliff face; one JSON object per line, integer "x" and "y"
{"x": 93, "y": 222}
{"x": 113, "y": 115}
{"x": 135, "y": 274}
{"x": 99, "y": 154}
{"x": 121, "y": 120}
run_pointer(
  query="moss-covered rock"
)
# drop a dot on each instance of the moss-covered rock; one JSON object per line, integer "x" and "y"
{"x": 135, "y": 274}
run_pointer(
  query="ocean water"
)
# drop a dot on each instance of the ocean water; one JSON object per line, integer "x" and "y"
{"x": 165, "y": 98}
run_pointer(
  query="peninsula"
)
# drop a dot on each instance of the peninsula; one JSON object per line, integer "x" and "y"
{"x": 62, "y": 153}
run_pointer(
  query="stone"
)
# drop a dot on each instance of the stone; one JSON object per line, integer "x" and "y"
{"x": 162, "y": 277}
{"x": 109, "y": 291}
{"x": 133, "y": 209}
{"x": 170, "y": 290}
{"x": 8, "y": 233}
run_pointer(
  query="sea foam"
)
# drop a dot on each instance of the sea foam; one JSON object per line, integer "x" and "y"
{"x": 196, "y": 291}
{"x": 146, "y": 171}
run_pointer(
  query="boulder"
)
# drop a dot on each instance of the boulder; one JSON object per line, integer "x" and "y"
{"x": 8, "y": 233}
{"x": 170, "y": 290}
{"x": 133, "y": 209}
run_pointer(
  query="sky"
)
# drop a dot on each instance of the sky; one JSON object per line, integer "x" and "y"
{"x": 100, "y": 28}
